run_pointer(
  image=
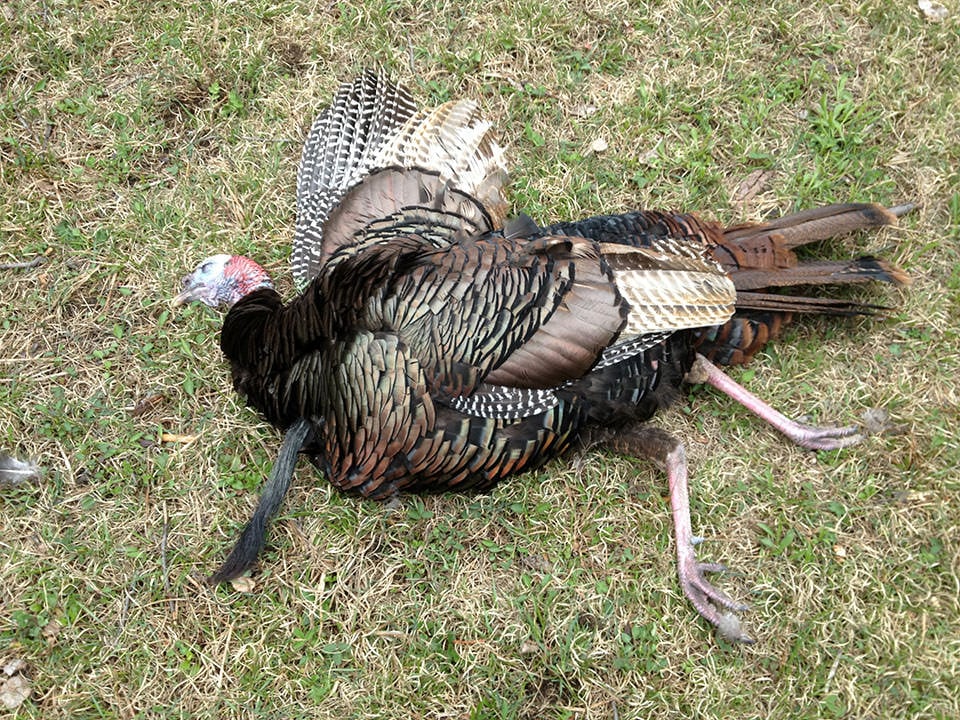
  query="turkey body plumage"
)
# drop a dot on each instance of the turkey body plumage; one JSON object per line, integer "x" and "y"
{"x": 450, "y": 362}
{"x": 461, "y": 392}
{"x": 436, "y": 346}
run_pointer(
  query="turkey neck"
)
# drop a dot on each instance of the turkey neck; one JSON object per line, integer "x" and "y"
{"x": 277, "y": 351}
{"x": 263, "y": 339}
{"x": 262, "y": 335}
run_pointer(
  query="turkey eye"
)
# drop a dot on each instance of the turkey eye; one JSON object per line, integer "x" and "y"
{"x": 205, "y": 268}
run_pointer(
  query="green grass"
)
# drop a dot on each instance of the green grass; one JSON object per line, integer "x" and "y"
{"x": 134, "y": 142}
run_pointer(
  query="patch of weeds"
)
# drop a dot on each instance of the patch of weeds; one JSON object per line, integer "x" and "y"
{"x": 463, "y": 62}
{"x": 227, "y": 101}
{"x": 437, "y": 92}
{"x": 637, "y": 649}
{"x": 776, "y": 540}
{"x": 235, "y": 473}
{"x": 417, "y": 510}
{"x": 496, "y": 707}
{"x": 837, "y": 123}
{"x": 841, "y": 133}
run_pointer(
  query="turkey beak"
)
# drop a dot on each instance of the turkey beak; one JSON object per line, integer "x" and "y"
{"x": 189, "y": 293}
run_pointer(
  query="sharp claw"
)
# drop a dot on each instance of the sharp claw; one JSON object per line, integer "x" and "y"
{"x": 709, "y": 601}
{"x": 826, "y": 438}
{"x": 729, "y": 629}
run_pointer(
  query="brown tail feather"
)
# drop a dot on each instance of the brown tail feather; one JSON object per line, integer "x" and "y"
{"x": 761, "y": 256}
{"x": 821, "y": 272}
{"x": 815, "y": 224}
{"x": 803, "y": 304}
{"x": 749, "y": 248}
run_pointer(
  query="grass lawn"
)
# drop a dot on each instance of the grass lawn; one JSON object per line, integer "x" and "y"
{"x": 136, "y": 139}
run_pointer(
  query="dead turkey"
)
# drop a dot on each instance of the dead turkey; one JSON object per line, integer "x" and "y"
{"x": 436, "y": 345}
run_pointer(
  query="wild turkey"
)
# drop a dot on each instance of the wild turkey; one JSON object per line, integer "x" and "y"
{"x": 437, "y": 347}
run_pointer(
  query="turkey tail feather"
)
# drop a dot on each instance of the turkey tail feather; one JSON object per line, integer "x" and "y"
{"x": 803, "y": 304}
{"x": 760, "y": 257}
{"x": 822, "y": 272}
{"x": 815, "y": 224}
{"x": 251, "y": 541}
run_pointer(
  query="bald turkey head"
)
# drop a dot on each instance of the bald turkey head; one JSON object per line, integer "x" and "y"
{"x": 222, "y": 280}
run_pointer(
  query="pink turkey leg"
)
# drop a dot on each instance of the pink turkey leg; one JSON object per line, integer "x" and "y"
{"x": 662, "y": 447}
{"x": 704, "y": 596}
{"x": 806, "y": 436}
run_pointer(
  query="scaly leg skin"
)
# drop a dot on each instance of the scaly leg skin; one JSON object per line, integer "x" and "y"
{"x": 806, "y": 436}
{"x": 705, "y": 597}
{"x": 662, "y": 447}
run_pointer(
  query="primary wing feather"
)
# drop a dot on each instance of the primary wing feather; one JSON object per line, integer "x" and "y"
{"x": 373, "y": 124}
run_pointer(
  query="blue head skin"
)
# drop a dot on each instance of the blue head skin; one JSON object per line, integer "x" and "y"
{"x": 222, "y": 280}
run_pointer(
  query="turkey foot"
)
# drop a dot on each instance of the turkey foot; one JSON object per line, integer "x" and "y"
{"x": 710, "y": 602}
{"x": 811, "y": 437}
{"x": 707, "y": 599}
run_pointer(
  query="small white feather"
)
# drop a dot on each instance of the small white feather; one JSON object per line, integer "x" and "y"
{"x": 15, "y": 472}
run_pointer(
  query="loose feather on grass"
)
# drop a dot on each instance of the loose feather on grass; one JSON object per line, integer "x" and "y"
{"x": 14, "y": 472}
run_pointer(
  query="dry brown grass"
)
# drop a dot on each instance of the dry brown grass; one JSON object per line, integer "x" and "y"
{"x": 133, "y": 143}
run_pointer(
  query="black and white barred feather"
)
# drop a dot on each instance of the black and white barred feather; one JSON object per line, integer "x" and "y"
{"x": 338, "y": 152}
{"x": 373, "y": 124}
